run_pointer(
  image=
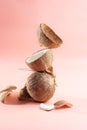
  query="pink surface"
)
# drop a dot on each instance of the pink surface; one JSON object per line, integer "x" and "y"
{"x": 19, "y": 20}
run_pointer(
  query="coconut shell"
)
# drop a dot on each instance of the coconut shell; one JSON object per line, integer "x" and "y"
{"x": 23, "y": 94}
{"x": 47, "y": 37}
{"x": 6, "y": 92}
{"x": 41, "y": 60}
{"x": 62, "y": 103}
{"x": 41, "y": 86}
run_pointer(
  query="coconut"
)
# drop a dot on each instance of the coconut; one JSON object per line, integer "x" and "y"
{"x": 47, "y": 37}
{"x": 41, "y": 60}
{"x": 41, "y": 86}
{"x": 23, "y": 94}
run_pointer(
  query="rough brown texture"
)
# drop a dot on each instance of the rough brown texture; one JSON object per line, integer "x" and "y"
{"x": 47, "y": 37}
{"x": 23, "y": 94}
{"x": 43, "y": 63}
{"x": 41, "y": 86}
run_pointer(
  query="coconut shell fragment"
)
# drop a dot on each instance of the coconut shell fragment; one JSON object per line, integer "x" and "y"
{"x": 47, "y": 37}
{"x": 62, "y": 103}
{"x": 6, "y": 92}
{"x": 57, "y": 105}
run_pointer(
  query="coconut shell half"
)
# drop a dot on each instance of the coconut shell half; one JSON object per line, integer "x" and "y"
{"x": 41, "y": 60}
{"x": 47, "y": 37}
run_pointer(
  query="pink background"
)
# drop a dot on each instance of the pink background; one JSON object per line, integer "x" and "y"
{"x": 19, "y": 20}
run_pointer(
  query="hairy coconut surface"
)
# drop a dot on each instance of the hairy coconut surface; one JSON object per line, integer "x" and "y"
{"x": 23, "y": 94}
{"x": 41, "y": 60}
{"x": 41, "y": 86}
{"x": 47, "y": 37}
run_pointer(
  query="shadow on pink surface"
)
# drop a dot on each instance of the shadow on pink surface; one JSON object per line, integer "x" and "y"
{"x": 12, "y": 99}
{"x": 79, "y": 104}
{"x": 18, "y": 23}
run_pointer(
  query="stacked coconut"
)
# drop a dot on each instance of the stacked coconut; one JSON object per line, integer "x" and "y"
{"x": 40, "y": 85}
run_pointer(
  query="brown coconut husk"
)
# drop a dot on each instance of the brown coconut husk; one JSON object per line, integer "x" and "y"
{"x": 47, "y": 37}
{"x": 41, "y": 61}
{"x": 41, "y": 86}
{"x": 23, "y": 94}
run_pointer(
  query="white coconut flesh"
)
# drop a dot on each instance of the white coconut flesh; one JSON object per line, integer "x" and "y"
{"x": 36, "y": 56}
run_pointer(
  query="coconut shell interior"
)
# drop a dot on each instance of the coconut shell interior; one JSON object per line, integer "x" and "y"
{"x": 47, "y": 37}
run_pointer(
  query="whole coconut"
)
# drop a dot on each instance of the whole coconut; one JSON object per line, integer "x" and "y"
{"x": 41, "y": 86}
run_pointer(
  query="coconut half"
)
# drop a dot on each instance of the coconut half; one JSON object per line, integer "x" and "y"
{"x": 41, "y": 60}
{"x": 47, "y": 37}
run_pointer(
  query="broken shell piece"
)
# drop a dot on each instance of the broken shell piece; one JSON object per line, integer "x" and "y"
{"x": 9, "y": 88}
{"x": 41, "y": 60}
{"x": 47, "y": 37}
{"x": 62, "y": 103}
{"x": 46, "y": 107}
{"x": 3, "y": 95}
{"x": 58, "y": 104}
{"x": 6, "y": 92}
